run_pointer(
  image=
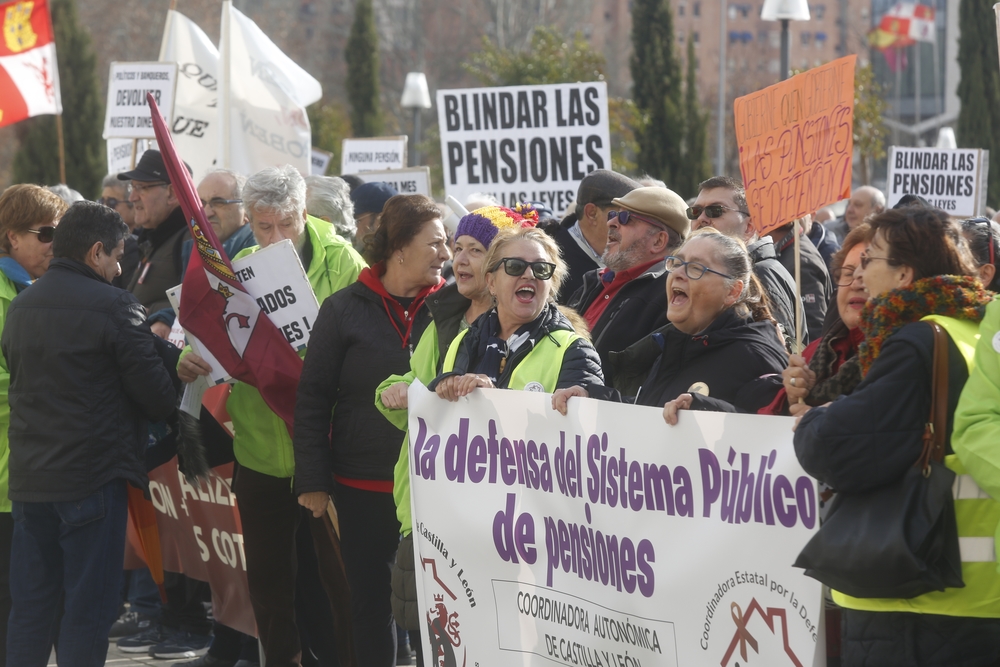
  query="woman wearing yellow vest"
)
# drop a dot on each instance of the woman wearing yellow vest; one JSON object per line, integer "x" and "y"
{"x": 524, "y": 342}
{"x": 917, "y": 267}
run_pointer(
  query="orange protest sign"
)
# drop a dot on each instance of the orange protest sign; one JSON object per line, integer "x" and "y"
{"x": 796, "y": 143}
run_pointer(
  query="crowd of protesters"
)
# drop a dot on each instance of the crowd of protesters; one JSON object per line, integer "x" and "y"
{"x": 634, "y": 295}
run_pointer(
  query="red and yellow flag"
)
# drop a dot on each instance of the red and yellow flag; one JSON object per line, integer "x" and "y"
{"x": 29, "y": 77}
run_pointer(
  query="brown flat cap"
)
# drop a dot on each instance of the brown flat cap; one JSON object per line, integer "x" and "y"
{"x": 665, "y": 206}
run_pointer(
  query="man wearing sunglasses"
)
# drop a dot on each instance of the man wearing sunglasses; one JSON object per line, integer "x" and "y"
{"x": 164, "y": 229}
{"x": 115, "y": 194}
{"x": 722, "y": 204}
{"x": 583, "y": 234}
{"x": 627, "y": 300}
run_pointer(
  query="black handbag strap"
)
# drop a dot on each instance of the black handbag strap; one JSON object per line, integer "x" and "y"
{"x": 937, "y": 424}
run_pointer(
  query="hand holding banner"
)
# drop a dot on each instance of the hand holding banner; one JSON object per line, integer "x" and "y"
{"x": 796, "y": 143}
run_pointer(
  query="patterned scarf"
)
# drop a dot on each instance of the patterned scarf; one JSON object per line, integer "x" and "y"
{"x": 961, "y": 297}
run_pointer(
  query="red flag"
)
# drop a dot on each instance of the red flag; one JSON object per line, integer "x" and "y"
{"x": 217, "y": 310}
{"x": 29, "y": 78}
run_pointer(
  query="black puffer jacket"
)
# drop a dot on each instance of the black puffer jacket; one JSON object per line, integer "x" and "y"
{"x": 85, "y": 377}
{"x": 638, "y": 309}
{"x": 779, "y": 286}
{"x": 736, "y": 363}
{"x": 447, "y": 307}
{"x": 580, "y": 364}
{"x": 354, "y": 346}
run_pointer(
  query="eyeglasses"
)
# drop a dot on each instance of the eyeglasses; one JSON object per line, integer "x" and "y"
{"x": 692, "y": 270}
{"x": 217, "y": 202}
{"x": 516, "y": 267}
{"x": 45, "y": 233}
{"x": 711, "y": 211}
{"x": 111, "y": 202}
{"x": 845, "y": 276}
{"x": 142, "y": 187}
{"x": 868, "y": 259}
{"x": 624, "y": 217}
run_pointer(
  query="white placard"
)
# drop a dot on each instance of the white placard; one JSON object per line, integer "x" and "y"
{"x": 375, "y": 154}
{"x": 541, "y": 539}
{"x": 320, "y": 161}
{"x": 120, "y": 153}
{"x": 127, "y": 113}
{"x": 523, "y": 143}
{"x": 952, "y": 179}
{"x": 274, "y": 277}
{"x": 412, "y": 181}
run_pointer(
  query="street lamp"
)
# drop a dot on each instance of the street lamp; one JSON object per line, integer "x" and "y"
{"x": 416, "y": 97}
{"x": 785, "y": 11}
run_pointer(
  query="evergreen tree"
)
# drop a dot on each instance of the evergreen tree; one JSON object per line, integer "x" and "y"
{"x": 979, "y": 88}
{"x": 362, "y": 72}
{"x": 37, "y": 159}
{"x": 697, "y": 168}
{"x": 656, "y": 79}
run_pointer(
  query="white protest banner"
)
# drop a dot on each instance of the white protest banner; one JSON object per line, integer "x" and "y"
{"x": 263, "y": 100}
{"x": 523, "y": 143}
{"x": 374, "y": 154}
{"x": 319, "y": 161}
{"x": 195, "y": 116}
{"x": 952, "y": 179}
{"x": 412, "y": 181}
{"x": 120, "y": 153}
{"x": 274, "y": 277}
{"x": 127, "y": 114}
{"x": 607, "y": 537}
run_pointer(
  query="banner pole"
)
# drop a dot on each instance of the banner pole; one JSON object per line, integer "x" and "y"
{"x": 798, "y": 285}
{"x": 62, "y": 149}
{"x": 135, "y": 148}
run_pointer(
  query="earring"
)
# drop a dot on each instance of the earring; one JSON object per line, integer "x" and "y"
{"x": 400, "y": 259}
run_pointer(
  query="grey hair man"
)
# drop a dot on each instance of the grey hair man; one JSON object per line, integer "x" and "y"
{"x": 864, "y": 201}
{"x": 115, "y": 194}
{"x": 329, "y": 198}
{"x": 722, "y": 204}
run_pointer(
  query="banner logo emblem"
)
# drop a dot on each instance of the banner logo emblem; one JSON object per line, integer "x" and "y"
{"x": 17, "y": 32}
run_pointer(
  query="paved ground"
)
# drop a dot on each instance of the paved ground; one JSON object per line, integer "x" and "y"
{"x": 118, "y": 659}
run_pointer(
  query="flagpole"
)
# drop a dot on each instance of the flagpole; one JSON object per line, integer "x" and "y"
{"x": 62, "y": 149}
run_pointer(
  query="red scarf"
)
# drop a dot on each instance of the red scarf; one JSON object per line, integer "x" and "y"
{"x": 371, "y": 278}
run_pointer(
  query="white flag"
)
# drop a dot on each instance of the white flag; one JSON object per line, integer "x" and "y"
{"x": 195, "y": 115}
{"x": 262, "y": 106}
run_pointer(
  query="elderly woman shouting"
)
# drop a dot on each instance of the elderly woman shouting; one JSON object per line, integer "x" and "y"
{"x": 719, "y": 352}
{"x": 524, "y": 342}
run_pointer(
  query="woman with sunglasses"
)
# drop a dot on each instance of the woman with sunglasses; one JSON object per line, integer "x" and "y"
{"x": 721, "y": 349}
{"x": 453, "y": 309}
{"x": 28, "y": 218}
{"x": 829, "y": 368}
{"x": 916, "y": 267}
{"x": 983, "y": 236}
{"x": 525, "y": 341}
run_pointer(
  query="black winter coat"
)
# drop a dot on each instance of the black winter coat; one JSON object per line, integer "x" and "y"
{"x": 447, "y": 307}
{"x": 779, "y": 285}
{"x": 816, "y": 287}
{"x": 738, "y": 361}
{"x": 638, "y": 309}
{"x": 353, "y": 348}
{"x": 580, "y": 364}
{"x": 867, "y": 440}
{"x": 85, "y": 379}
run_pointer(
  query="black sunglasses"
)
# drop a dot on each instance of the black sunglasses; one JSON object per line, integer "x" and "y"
{"x": 516, "y": 267}
{"x": 111, "y": 202}
{"x": 45, "y": 234}
{"x": 711, "y": 211}
{"x": 624, "y": 217}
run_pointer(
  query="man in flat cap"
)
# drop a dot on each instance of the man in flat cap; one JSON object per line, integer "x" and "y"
{"x": 627, "y": 299}
{"x": 164, "y": 229}
{"x": 583, "y": 234}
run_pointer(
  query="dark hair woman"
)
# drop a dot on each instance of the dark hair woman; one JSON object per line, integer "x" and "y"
{"x": 983, "y": 236}
{"x": 364, "y": 333}
{"x": 721, "y": 349}
{"x": 829, "y": 367}
{"x": 916, "y": 267}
